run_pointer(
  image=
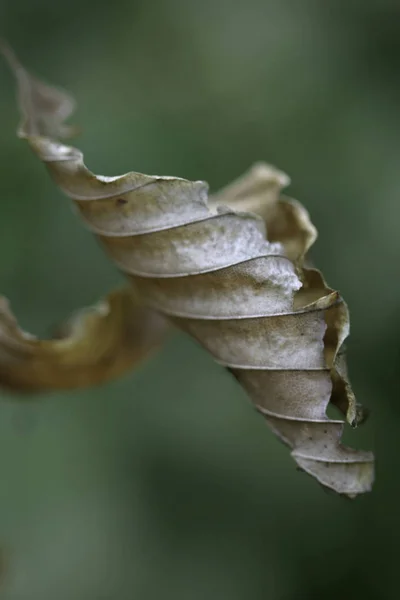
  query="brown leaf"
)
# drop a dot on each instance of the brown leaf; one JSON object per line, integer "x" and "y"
{"x": 238, "y": 283}
{"x": 95, "y": 345}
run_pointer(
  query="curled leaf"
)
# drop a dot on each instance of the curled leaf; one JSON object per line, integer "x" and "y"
{"x": 230, "y": 271}
{"x": 97, "y": 344}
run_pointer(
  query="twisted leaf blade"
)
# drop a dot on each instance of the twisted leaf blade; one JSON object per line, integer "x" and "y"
{"x": 232, "y": 271}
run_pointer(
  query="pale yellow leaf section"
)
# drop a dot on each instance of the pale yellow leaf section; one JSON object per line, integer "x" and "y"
{"x": 96, "y": 345}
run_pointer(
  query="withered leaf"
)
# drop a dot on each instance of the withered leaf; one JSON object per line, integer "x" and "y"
{"x": 94, "y": 346}
{"x": 232, "y": 272}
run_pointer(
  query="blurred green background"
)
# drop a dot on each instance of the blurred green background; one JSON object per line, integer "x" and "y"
{"x": 166, "y": 484}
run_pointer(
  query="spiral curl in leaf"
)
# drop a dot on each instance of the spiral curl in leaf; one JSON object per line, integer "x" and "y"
{"x": 231, "y": 271}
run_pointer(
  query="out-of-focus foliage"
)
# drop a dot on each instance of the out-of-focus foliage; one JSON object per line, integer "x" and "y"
{"x": 165, "y": 483}
{"x": 97, "y": 344}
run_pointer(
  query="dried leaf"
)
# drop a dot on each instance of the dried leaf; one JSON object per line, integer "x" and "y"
{"x": 94, "y": 346}
{"x": 238, "y": 283}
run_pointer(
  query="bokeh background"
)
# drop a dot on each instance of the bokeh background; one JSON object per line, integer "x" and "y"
{"x": 165, "y": 484}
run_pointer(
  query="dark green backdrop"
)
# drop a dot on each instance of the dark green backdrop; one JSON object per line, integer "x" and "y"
{"x": 165, "y": 484}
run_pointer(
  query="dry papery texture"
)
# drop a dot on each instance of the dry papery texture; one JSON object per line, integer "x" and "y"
{"x": 230, "y": 270}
